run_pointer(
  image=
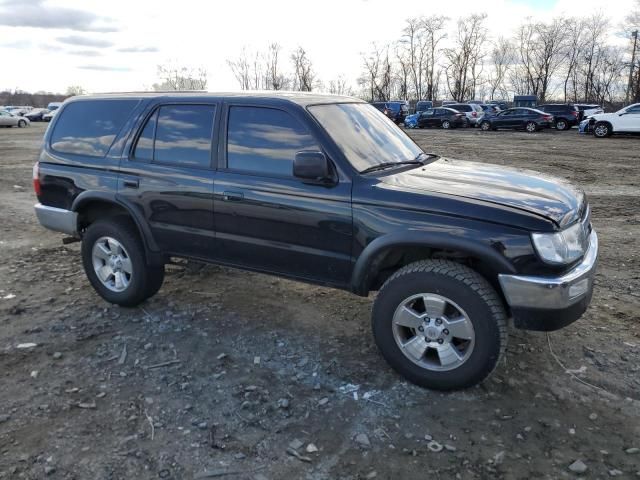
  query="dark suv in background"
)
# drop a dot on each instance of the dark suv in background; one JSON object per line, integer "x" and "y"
{"x": 566, "y": 115}
{"x": 322, "y": 189}
{"x": 396, "y": 111}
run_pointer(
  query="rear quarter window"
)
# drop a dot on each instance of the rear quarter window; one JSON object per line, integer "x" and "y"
{"x": 89, "y": 127}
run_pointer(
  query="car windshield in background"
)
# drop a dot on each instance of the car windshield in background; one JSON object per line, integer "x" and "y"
{"x": 366, "y": 137}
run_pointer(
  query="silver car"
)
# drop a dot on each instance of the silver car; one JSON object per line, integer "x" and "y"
{"x": 10, "y": 120}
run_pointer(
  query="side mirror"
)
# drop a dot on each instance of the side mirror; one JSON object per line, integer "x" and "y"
{"x": 312, "y": 166}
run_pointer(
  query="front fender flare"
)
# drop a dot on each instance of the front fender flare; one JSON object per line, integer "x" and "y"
{"x": 366, "y": 267}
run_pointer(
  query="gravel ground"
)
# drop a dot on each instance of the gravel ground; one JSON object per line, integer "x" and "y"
{"x": 246, "y": 376}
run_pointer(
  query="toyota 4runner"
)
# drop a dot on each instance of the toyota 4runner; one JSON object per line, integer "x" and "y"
{"x": 323, "y": 189}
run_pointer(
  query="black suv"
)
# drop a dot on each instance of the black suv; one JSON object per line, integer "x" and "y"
{"x": 396, "y": 111}
{"x": 326, "y": 190}
{"x": 566, "y": 115}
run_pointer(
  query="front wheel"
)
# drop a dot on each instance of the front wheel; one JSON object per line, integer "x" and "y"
{"x": 440, "y": 324}
{"x": 562, "y": 125}
{"x": 114, "y": 261}
{"x": 446, "y": 124}
{"x": 22, "y": 124}
{"x": 601, "y": 130}
{"x": 531, "y": 127}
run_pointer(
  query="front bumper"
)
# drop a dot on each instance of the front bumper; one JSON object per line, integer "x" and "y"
{"x": 549, "y": 303}
{"x": 57, "y": 219}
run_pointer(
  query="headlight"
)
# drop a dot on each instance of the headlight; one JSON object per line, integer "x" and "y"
{"x": 562, "y": 247}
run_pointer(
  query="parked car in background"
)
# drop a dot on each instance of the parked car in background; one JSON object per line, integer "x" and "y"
{"x": 47, "y": 117}
{"x": 529, "y": 119}
{"x": 502, "y": 105}
{"x": 8, "y": 119}
{"x": 36, "y": 114}
{"x": 395, "y": 110}
{"x": 54, "y": 106}
{"x": 490, "y": 109}
{"x": 423, "y": 105}
{"x": 625, "y": 120}
{"x": 588, "y": 109}
{"x": 473, "y": 111}
{"x": 442, "y": 117}
{"x": 566, "y": 115}
{"x": 411, "y": 121}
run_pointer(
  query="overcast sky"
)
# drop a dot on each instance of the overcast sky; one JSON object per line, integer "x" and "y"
{"x": 116, "y": 45}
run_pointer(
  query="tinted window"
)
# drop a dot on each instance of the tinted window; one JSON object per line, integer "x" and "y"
{"x": 144, "y": 147}
{"x": 183, "y": 135}
{"x": 635, "y": 109}
{"x": 90, "y": 127}
{"x": 462, "y": 108}
{"x": 366, "y": 137}
{"x": 265, "y": 140}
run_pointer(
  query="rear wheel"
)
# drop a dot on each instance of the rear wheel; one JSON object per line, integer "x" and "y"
{"x": 440, "y": 325}
{"x": 446, "y": 124}
{"x": 531, "y": 127}
{"x": 601, "y": 130}
{"x": 22, "y": 124}
{"x": 485, "y": 126}
{"x": 114, "y": 260}
{"x": 562, "y": 125}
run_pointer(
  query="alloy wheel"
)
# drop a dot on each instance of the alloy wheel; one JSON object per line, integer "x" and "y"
{"x": 112, "y": 264}
{"x": 433, "y": 332}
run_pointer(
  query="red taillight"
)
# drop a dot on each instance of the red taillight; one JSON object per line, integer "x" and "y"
{"x": 575, "y": 114}
{"x": 36, "y": 179}
{"x": 547, "y": 117}
{"x": 474, "y": 114}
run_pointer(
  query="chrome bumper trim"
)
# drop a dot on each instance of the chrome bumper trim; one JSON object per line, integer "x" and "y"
{"x": 553, "y": 292}
{"x": 57, "y": 219}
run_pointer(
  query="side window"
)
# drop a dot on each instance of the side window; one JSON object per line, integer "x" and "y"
{"x": 144, "y": 146}
{"x": 183, "y": 135}
{"x": 265, "y": 140}
{"x": 89, "y": 127}
{"x": 635, "y": 109}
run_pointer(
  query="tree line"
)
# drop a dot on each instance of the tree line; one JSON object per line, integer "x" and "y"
{"x": 569, "y": 59}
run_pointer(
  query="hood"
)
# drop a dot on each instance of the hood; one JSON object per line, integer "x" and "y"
{"x": 542, "y": 195}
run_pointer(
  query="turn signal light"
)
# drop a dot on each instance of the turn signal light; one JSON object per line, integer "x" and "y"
{"x": 36, "y": 179}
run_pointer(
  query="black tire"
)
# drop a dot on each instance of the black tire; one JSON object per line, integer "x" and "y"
{"x": 22, "y": 124}
{"x": 446, "y": 124}
{"x": 485, "y": 126}
{"x": 145, "y": 280}
{"x": 531, "y": 127}
{"x": 466, "y": 288}
{"x": 562, "y": 124}
{"x": 602, "y": 130}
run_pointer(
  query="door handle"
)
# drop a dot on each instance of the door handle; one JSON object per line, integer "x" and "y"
{"x": 232, "y": 196}
{"x": 131, "y": 183}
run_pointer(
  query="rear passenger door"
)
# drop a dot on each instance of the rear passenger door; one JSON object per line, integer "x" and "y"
{"x": 266, "y": 219}
{"x": 168, "y": 177}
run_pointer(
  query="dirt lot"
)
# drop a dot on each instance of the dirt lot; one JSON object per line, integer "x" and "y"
{"x": 224, "y": 371}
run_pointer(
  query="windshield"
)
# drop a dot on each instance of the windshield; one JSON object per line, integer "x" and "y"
{"x": 366, "y": 137}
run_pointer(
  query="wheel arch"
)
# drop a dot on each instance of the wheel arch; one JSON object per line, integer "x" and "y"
{"x": 392, "y": 251}
{"x": 93, "y": 205}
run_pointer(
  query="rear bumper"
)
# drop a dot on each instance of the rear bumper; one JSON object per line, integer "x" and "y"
{"x": 57, "y": 219}
{"x": 549, "y": 303}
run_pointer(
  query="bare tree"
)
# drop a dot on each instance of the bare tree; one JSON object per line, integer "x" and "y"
{"x": 502, "y": 59}
{"x": 377, "y": 78}
{"x": 575, "y": 28}
{"x": 241, "y": 70}
{"x": 174, "y": 77}
{"x": 276, "y": 79}
{"x": 73, "y": 90}
{"x": 304, "y": 75}
{"x": 464, "y": 59}
{"x": 338, "y": 86}
{"x": 542, "y": 48}
{"x": 593, "y": 50}
{"x": 434, "y": 29}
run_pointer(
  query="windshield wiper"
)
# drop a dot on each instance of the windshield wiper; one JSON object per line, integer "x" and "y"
{"x": 426, "y": 156}
{"x": 385, "y": 165}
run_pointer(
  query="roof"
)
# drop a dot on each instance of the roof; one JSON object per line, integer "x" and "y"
{"x": 300, "y": 98}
